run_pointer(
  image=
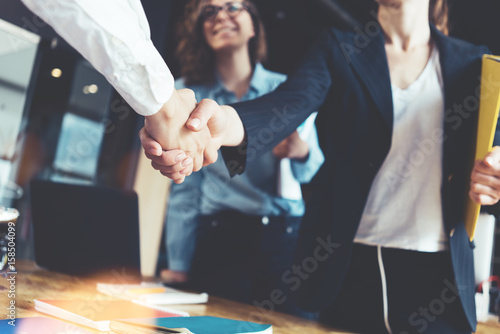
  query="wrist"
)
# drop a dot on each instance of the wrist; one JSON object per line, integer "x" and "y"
{"x": 235, "y": 131}
{"x": 159, "y": 125}
{"x": 166, "y": 112}
{"x": 168, "y": 109}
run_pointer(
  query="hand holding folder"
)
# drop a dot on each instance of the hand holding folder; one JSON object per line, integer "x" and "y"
{"x": 487, "y": 122}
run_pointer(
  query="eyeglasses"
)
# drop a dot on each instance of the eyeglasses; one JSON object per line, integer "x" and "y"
{"x": 232, "y": 9}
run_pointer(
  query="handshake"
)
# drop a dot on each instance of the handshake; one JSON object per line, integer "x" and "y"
{"x": 185, "y": 135}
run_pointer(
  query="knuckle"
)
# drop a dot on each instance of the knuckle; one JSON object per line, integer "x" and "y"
{"x": 197, "y": 165}
{"x": 473, "y": 177}
{"x": 205, "y": 102}
{"x": 170, "y": 169}
{"x": 172, "y": 176}
{"x": 211, "y": 159}
{"x": 191, "y": 94}
{"x": 179, "y": 181}
{"x": 474, "y": 187}
{"x": 186, "y": 93}
{"x": 166, "y": 159}
{"x": 209, "y": 103}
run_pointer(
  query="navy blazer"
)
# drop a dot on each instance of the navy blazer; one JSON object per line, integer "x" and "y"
{"x": 346, "y": 77}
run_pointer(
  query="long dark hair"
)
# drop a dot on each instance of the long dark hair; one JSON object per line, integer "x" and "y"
{"x": 196, "y": 58}
{"x": 438, "y": 15}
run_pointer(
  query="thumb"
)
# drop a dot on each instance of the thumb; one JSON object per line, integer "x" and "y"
{"x": 201, "y": 115}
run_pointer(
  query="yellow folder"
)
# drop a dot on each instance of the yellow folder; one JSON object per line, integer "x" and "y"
{"x": 488, "y": 116}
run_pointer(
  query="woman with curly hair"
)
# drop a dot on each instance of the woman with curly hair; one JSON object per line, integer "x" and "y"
{"x": 240, "y": 232}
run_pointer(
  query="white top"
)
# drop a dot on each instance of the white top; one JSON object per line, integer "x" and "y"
{"x": 403, "y": 209}
{"x": 114, "y": 36}
{"x": 287, "y": 185}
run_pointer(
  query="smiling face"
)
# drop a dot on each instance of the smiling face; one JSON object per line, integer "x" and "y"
{"x": 225, "y": 33}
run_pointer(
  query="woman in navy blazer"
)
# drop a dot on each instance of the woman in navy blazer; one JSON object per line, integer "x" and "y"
{"x": 349, "y": 76}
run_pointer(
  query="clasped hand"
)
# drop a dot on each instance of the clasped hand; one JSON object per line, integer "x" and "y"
{"x": 184, "y": 135}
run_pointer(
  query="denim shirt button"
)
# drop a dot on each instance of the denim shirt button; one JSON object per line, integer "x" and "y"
{"x": 265, "y": 220}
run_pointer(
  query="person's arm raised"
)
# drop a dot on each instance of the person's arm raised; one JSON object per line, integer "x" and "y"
{"x": 123, "y": 53}
{"x": 258, "y": 125}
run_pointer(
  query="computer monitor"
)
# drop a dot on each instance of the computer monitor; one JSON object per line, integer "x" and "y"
{"x": 84, "y": 229}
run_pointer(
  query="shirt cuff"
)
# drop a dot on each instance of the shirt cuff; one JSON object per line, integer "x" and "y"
{"x": 235, "y": 157}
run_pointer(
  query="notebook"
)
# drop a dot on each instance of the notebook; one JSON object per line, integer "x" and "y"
{"x": 97, "y": 314}
{"x": 189, "y": 325}
{"x": 39, "y": 325}
{"x": 151, "y": 294}
{"x": 79, "y": 229}
{"x": 487, "y": 124}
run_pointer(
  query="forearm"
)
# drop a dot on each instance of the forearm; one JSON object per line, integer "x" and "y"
{"x": 167, "y": 111}
{"x": 114, "y": 36}
{"x": 271, "y": 118}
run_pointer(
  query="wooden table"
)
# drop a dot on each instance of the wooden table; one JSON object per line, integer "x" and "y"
{"x": 36, "y": 283}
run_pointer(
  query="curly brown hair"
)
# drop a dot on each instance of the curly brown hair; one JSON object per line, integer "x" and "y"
{"x": 197, "y": 59}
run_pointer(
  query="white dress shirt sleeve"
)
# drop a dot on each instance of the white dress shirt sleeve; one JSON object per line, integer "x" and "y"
{"x": 114, "y": 36}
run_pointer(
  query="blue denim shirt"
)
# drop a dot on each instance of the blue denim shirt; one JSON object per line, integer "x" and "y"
{"x": 212, "y": 190}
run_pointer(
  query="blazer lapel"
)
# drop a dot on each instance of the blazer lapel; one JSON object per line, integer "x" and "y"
{"x": 367, "y": 57}
{"x": 453, "y": 62}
